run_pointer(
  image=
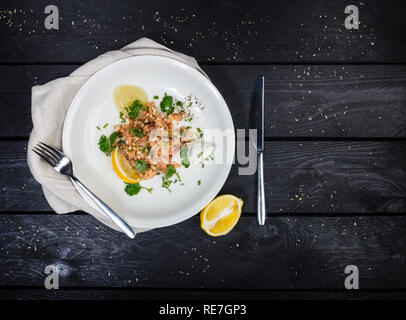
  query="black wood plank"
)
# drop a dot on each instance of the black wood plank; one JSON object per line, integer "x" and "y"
{"x": 194, "y": 294}
{"x": 183, "y": 256}
{"x": 301, "y": 177}
{"x": 301, "y": 101}
{"x": 219, "y": 31}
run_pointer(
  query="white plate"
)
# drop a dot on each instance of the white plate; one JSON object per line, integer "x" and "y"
{"x": 93, "y": 106}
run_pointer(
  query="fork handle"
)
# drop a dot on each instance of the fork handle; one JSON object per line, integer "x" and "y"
{"x": 106, "y": 209}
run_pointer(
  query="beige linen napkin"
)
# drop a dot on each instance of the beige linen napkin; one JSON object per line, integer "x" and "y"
{"x": 51, "y": 101}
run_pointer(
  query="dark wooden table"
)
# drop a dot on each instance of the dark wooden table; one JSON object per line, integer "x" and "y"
{"x": 335, "y": 159}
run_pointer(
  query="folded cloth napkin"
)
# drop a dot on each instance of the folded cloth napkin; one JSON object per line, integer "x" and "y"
{"x": 50, "y": 103}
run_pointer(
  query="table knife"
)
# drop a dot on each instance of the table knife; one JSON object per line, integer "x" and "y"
{"x": 257, "y": 123}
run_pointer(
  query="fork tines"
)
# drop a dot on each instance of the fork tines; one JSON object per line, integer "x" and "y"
{"x": 48, "y": 153}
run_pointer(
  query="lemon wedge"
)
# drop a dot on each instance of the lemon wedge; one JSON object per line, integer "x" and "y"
{"x": 123, "y": 169}
{"x": 221, "y": 215}
{"x": 125, "y": 95}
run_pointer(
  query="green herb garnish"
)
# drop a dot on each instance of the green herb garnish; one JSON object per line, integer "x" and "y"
{"x": 199, "y": 182}
{"x": 107, "y": 144}
{"x": 105, "y": 125}
{"x": 113, "y": 137}
{"x": 122, "y": 117}
{"x": 137, "y": 132}
{"x": 179, "y": 103}
{"x": 135, "y": 188}
{"x": 166, "y": 184}
{"x": 200, "y": 132}
{"x": 104, "y": 145}
{"x": 132, "y": 189}
{"x": 177, "y": 174}
{"x": 146, "y": 149}
{"x": 156, "y": 97}
{"x": 141, "y": 165}
{"x": 134, "y": 110}
{"x": 167, "y": 105}
{"x": 184, "y": 154}
{"x": 170, "y": 172}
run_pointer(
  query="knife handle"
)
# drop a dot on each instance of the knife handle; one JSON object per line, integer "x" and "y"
{"x": 261, "y": 190}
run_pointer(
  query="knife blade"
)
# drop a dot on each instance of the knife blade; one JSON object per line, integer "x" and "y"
{"x": 257, "y": 115}
{"x": 257, "y": 139}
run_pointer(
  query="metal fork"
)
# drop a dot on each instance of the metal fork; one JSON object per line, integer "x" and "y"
{"x": 63, "y": 165}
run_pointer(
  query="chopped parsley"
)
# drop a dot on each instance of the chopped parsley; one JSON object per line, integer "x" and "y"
{"x": 179, "y": 103}
{"x": 146, "y": 149}
{"x": 199, "y": 182}
{"x": 113, "y": 137}
{"x": 184, "y": 154}
{"x": 167, "y": 104}
{"x": 166, "y": 184}
{"x": 137, "y": 132}
{"x": 200, "y": 132}
{"x": 122, "y": 117}
{"x": 107, "y": 144}
{"x": 156, "y": 97}
{"x": 135, "y": 109}
{"x": 98, "y": 128}
{"x": 105, "y": 125}
{"x": 141, "y": 165}
{"x": 135, "y": 188}
{"x": 170, "y": 172}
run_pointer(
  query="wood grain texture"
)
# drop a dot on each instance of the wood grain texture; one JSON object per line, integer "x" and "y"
{"x": 301, "y": 177}
{"x": 301, "y": 100}
{"x": 276, "y": 256}
{"x": 225, "y": 31}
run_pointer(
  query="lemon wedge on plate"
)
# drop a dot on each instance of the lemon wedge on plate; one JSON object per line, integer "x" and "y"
{"x": 125, "y": 95}
{"x": 221, "y": 215}
{"x": 123, "y": 169}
